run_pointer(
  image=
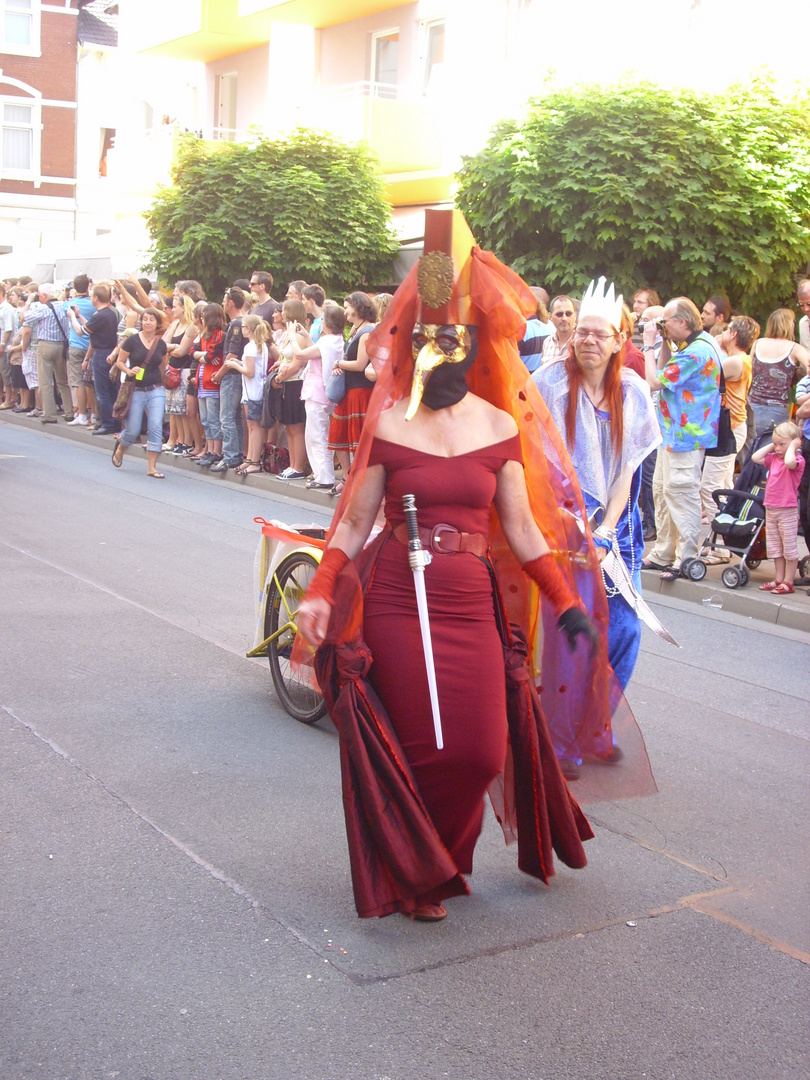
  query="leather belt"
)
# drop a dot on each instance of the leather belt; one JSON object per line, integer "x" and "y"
{"x": 446, "y": 540}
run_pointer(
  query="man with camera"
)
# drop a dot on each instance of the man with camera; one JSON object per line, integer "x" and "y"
{"x": 687, "y": 376}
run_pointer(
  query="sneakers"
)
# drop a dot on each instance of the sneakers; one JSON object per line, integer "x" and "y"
{"x": 79, "y": 421}
{"x": 34, "y": 414}
{"x": 180, "y": 449}
{"x": 209, "y": 459}
{"x": 291, "y": 474}
{"x": 104, "y": 431}
{"x": 220, "y": 466}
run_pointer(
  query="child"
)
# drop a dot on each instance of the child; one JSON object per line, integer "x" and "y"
{"x": 785, "y": 466}
{"x": 253, "y": 369}
{"x": 322, "y": 357}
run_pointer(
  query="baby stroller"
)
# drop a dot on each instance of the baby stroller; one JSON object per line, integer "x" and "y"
{"x": 738, "y": 526}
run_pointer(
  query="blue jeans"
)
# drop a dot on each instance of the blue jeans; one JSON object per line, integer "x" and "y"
{"x": 106, "y": 391}
{"x": 209, "y": 417}
{"x": 153, "y": 402}
{"x": 230, "y": 417}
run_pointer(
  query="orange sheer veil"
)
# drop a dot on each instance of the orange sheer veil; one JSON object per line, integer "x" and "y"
{"x": 578, "y": 690}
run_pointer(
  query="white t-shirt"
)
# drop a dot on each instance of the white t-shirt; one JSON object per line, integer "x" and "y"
{"x": 253, "y": 389}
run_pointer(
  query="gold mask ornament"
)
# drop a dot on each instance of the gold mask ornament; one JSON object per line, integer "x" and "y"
{"x": 433, "y": 345}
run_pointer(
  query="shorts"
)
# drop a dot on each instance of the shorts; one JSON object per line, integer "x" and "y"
{"x": 74, "y": 366}
{"x": 254, "y": 411}
{"x": 781, "y": 527}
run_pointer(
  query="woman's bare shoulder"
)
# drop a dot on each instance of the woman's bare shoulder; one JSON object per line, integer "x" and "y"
{"x": 501, "y": 424}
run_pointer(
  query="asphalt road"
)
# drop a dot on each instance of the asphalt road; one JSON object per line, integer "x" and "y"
{"x": 175, "y": 901}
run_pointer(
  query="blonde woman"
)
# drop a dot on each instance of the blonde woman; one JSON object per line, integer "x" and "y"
{"x": 776, "y": 363}
{"x": 253, "y": 369}
{"x": 288, "y": 375}
{"x": 179, "y": 340}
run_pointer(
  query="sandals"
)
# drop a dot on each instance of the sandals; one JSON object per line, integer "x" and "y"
{"x": 248, "y": 468}
{"x": 337, "y": 488}
{"x": 648, "y": 564}
{"x": 670, "y": 573}
{"x": 782, "y": 589}
{"x": 769, "y": 586}
{"x": 157, "y": 475}
{"x": 314, "y": 486}
{"x": 115, "y": 459}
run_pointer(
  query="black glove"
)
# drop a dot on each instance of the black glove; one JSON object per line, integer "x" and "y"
{"x": 573, "y": 622}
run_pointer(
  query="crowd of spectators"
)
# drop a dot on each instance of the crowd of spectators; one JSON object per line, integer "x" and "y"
{"x": 249, "y": 371}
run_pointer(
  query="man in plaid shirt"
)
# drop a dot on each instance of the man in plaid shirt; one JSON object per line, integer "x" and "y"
{"x": 52, "y": 333}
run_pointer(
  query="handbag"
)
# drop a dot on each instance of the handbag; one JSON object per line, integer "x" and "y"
{"x": 726, "y": 443}
{"x": 336, "y": 387}
{"x": 172, "y": 378}
{"x": 275, "y": 459}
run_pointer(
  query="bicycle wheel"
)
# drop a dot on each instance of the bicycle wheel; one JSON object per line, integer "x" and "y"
{"x": 284, "y": 595}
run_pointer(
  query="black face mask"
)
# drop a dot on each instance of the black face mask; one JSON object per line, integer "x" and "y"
{"x": 447, "y": 384}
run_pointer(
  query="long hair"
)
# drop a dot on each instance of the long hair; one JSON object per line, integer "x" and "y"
{"x": 613, "y": 396}
{"x": 258, "y": 328}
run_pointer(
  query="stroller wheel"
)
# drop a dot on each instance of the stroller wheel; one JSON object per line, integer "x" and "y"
{"x": 696, "y": 570}
{"x": 732, "y": 577}
{"x": 685, "y": 565}
{"x": 745, "y": 577}
{"x": 753, "y": 563}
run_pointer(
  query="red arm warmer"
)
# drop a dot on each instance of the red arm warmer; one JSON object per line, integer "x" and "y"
{"x": 323, "y": 583}
{"x": 551, "y": 582}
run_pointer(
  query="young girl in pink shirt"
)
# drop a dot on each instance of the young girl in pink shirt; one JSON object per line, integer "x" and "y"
{"x": 785, "y": 466}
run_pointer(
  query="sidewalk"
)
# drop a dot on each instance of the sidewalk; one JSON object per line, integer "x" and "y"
{"x": 789, "y": 612}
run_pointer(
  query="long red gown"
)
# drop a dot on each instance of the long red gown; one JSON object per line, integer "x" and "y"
{"x": 467, "y": 648}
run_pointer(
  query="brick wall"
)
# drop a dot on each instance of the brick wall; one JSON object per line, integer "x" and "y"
{"x": 54, "y": 75}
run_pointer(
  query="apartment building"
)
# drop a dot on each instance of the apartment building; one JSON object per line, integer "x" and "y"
{"x": 44, "y": 118}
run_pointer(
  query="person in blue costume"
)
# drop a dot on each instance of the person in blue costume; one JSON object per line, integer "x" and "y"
{"x": 606, "y": 417}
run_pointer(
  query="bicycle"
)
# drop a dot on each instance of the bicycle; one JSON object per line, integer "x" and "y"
{"x": 286, "y": 561}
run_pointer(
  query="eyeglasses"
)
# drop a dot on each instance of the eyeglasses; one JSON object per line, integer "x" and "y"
{"x": 597, "y": 335}
{"x": 562, "y": 315}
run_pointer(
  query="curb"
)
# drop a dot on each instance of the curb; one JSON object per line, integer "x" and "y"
{"x": 711, "y": 594}
{"x": 296, "y": 489}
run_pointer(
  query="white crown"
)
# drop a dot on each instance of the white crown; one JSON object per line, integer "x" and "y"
{"x": 603, "y": 304}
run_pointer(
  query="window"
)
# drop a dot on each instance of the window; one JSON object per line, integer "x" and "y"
{"x": 385, "y": 63}
{"x": 226, "y": 106}
{"x": 18, "y": 140}
{"x": 433, "y": 55}
{"x": 19, "y": 30}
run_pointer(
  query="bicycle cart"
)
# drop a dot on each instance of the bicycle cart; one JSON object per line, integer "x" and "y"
{"x": 286, "y": 560}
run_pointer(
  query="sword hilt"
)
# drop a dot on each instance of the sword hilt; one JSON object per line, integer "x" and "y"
{"x": 417, "y": 556}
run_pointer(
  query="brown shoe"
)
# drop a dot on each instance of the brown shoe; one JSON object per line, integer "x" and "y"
{"x": 427, "y": 913}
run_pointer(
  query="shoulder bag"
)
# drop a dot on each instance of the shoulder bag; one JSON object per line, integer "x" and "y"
{"x": 726, "y": 443}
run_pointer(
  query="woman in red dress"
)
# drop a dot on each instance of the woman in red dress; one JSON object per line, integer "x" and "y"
{"x": 460, "y": 456}
{"x": 348, "y": 416}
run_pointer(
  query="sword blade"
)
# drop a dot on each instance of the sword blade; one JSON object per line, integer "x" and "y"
{"x": 427, "y": 648}
{"x": 616, "y": 569}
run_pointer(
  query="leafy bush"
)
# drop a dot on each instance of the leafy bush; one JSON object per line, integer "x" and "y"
{"x": 694, "y": 194}
{"x": 304, "y": 206}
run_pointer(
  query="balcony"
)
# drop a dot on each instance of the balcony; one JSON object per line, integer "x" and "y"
{"x": 207, "y": 30}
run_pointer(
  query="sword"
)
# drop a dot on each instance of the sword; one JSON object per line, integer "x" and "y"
{"x": 614, "y": 566}
{"x": 419, "y": 559}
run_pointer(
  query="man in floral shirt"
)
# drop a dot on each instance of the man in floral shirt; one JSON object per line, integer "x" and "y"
{"x": 687, "y": 374}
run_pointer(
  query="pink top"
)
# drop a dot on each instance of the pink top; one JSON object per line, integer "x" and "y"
{"x": 782, "y": 487}
{"x": 319, "y": 368}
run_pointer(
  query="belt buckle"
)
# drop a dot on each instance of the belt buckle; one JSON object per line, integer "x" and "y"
{"x": 435, "y": 537}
